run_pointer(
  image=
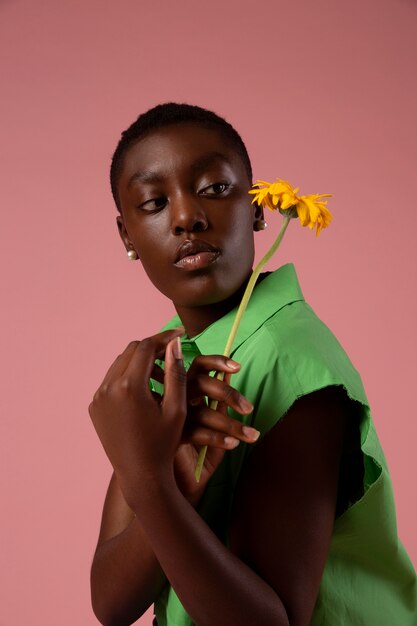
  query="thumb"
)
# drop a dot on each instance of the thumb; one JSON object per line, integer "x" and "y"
{"x": 174, "y": 402}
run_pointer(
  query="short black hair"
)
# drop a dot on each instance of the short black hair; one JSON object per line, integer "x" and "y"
{"x": 167, "y": 114}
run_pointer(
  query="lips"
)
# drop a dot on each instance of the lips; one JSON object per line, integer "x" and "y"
{"x": 197, "y": 246}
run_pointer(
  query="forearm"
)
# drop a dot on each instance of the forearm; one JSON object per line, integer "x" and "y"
{"x": 214, "y": 585}
{"x": 126, "y": 578}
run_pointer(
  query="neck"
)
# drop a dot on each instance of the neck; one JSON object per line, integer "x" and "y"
{"x": 198, "y": 318}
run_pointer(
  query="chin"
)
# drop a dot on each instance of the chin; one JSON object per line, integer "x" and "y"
{"x": 204, "y": 287}
{"x": 206, "y": 292}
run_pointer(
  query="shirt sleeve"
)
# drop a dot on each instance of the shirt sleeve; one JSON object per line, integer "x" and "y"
{"x": 302, "y": 356}
{"x": 297, "y": 355}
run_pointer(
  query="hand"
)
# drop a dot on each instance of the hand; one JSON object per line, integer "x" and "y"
{"x": 205, "y": 426}
{"x": 139, "y": 431}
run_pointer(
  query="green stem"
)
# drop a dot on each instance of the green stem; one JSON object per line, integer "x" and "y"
{"x": 242, "y": 308}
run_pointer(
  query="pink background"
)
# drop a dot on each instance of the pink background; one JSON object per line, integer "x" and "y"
{"x": 324, "y": 94}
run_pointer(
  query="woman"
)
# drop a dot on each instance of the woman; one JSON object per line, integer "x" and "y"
{"x": 292, "y": 521}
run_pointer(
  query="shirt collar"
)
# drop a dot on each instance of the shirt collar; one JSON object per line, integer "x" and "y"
{"x": 276, "y": 290}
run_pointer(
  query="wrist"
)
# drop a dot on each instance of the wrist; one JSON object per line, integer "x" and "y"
{"x": 154, "y": 489}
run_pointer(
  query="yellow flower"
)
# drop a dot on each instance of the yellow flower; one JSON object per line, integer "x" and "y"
{"x": 311, "y": 210}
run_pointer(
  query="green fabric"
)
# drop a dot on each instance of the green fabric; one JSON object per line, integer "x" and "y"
{"x": 287, "y": 352}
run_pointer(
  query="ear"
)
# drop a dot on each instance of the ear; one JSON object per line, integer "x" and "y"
{"x": 258, "y": 217}
{"x": 124, "y": 236}
{"x": 259, "y": 211}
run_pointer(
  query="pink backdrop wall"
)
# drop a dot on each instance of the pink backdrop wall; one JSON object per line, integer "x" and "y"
{"x": 323, "y": 92}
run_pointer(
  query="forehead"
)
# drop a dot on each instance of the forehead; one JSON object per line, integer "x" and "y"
{"x": 180, "y": 147}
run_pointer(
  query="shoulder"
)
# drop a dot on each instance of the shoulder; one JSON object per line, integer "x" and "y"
{"x": 292, "y": 354}
{"x": 296, "y": 328}
{"x": 306, "y": 353}
{"x": 293, "y": 330}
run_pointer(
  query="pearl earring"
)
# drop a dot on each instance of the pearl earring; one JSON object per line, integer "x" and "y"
{"x": 260, "y": 225}
{"x": 133, "y": 255}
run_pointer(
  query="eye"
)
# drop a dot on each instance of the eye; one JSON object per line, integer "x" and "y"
{"x": 153, "y": 205}
{"x": 216, "y": 189}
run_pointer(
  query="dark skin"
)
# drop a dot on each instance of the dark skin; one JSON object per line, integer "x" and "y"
{"x": 174, "y": 189}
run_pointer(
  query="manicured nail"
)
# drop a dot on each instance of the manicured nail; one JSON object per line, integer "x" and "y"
{"x": 250, "y": 432}
{"x": 245, "y": 404}
{"x": 232, "y": 364}
{"x": 177, "y": 349}
{"x": 231, "y": 442}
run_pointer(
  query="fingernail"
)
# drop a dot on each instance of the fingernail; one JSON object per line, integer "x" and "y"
{"x": 177, "y": 349}
{"x": 251, "y": 433}
{"x": 245, "y": 404}
{"x": 231, "y": 442}
{"x": 232, "y": 364}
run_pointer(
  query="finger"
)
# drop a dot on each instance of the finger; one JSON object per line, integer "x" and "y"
{"x": 174, "y": 402}
{"x": 157, "y": 373}
{"x": 222, "y": 406}
{"x": 147, "y": 351}
{"x": 212, "y": 363}
{"x": 120, "y": 363}
{"x": 223, "y": 425}
{"x": 201, "y": 436}
{"x": 221, "y": 391}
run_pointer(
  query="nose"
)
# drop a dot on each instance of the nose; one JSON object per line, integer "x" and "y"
{"x": 187, "y": 215}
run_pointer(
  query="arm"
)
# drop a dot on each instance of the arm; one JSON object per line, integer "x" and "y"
{"x": 125, "y": 575}
{"x": 287, "y": 495}
{"x": 216, "y": 585}
{"x": 126, "y": 578}
{"x": 281, "y": 529}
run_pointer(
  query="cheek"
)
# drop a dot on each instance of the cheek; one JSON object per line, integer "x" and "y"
{"x": 240, "y": 233}
{"x": 149, "y": 234}
{"x": 156, "y": 271}
{"x": 153, "y": 257}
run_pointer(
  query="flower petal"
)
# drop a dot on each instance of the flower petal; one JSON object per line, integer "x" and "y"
{"x": 311, "y": 209}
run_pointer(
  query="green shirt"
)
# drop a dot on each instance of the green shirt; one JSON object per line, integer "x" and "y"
{"x": 287, "y": 352}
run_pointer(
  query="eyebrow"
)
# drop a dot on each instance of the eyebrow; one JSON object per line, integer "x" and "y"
{"x": 207, "y": 160}
{"x": 147, "y": 176}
